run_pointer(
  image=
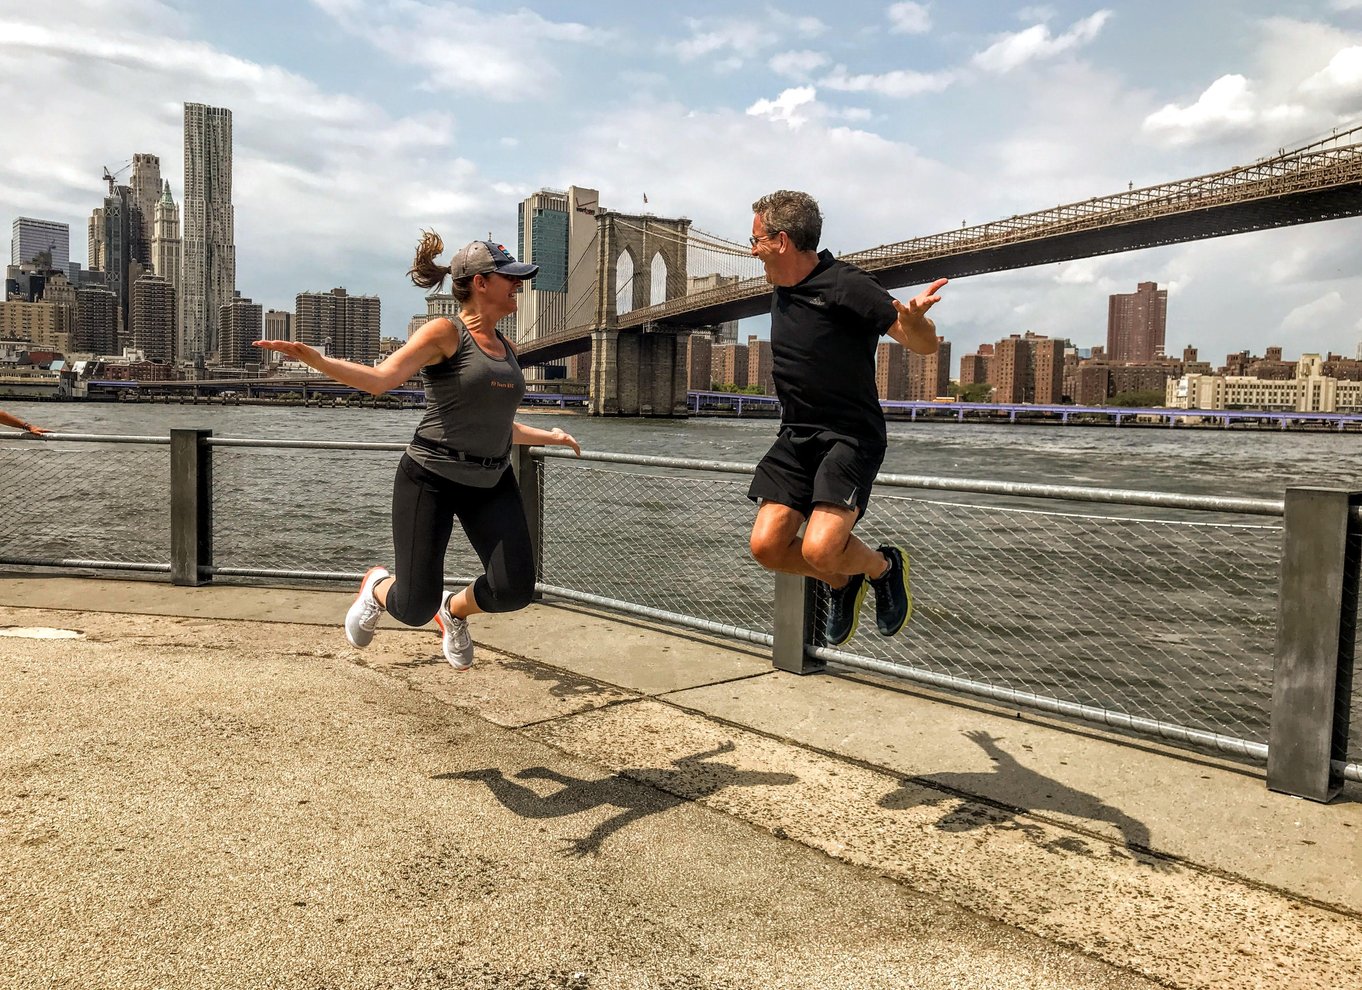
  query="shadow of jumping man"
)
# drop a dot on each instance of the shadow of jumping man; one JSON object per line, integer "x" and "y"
{"x": 1042, "y": 794}
{"x": 689, "y": 778}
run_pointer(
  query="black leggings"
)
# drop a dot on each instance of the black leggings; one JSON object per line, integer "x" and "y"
{"x": 424, "y": 507}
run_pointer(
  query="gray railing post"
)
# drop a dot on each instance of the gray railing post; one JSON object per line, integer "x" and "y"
{"x": 529, "y": 473}
{"x": 1316, "y": 615}
{"x": 796, "y": 624}
{"x": 191, "y": 506}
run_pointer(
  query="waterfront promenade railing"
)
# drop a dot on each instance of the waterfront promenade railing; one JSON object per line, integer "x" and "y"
{"x": 1202, "y": 621}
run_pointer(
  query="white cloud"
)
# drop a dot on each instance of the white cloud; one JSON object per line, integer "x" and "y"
{"x": 499, "y": 56}
{"x": 709, "y": 37}
{"x": 1227, "y": 106}
{"x": 1015, "y": 50}
{"x": 899, "y": 83}
{"x": 1309, "y": 319}
{"x": 797, "y": 65}
{"x": 740, "y": 39}
{"x": 1340, "y": 80}
{"x": 794, "y": 106}
{"x": 909, "y": 18}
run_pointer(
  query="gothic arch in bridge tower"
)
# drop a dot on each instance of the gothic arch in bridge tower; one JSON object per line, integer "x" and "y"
{"x": 646, "y": 265}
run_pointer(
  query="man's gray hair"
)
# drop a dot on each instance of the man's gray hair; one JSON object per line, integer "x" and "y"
{"x": 796, "y": 213}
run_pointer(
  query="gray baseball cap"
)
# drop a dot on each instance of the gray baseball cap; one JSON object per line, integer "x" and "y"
{"x": 484, "y": 257}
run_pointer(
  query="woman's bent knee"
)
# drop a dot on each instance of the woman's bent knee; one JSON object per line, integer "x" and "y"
{"x": 509, "y": 597}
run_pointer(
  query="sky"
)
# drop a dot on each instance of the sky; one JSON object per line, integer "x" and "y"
{"x": 357, "y": 123}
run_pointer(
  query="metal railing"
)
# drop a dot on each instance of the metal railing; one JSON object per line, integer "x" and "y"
{"x": 1220, "y": 623}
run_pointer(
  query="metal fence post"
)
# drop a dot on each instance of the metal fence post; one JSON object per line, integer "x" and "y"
{"x": 796, "y": 624}
{"x": 529, "y": 473}
{"x": 191, "y": 506}
{"x": 1316, "y": 615}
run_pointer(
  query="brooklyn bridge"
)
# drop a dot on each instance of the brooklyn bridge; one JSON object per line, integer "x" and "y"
{"x": 628, "y": 302}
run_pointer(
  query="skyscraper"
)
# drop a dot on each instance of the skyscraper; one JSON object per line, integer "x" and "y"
{"x": 32, "y": 239}
{"x": 167, "y": 250}
{"x": 146, "y": 193}
{"x": 1136, "y": 323}
{"x": 555, "y": 230}
{"x": 209, "y": 228}
{"x": 115, "y": 244}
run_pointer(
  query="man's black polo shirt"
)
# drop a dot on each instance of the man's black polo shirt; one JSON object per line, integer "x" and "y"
{"x": 824, "y": 332}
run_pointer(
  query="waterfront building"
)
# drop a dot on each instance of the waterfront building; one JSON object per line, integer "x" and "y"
{"x": 729, "y": 368}
{"x": 349, "y": 325}
{"x": 45, "y": 325}
{"x": 1137, "y": 323}
{"x": 1088, "y": 384}
{"x": 699, "y": 362}
{"x": 891, "y": 371}
{"x": 277, "y": 324}
{"x": 209, "y": 245}
{"x": 1010, "y": 370}
{"x": 240, "y": 322}
{"x": 927, "y": 376}
{"x": 41, "y": 243}
{"x": 724, "y": 333}
{"x": 153, "y": 317}
{"x": 760, "y": 367}
{"x": 96, "y": 330}
{"x": 1311, "y": 390}
{"x": 977, "y": 367}
{"x": 1047, "y": 369}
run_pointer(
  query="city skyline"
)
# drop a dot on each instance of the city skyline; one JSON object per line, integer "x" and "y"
{"x": 907, "y": 119}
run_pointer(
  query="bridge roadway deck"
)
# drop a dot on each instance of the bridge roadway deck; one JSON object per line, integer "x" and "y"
{"x": 212, "y": 789}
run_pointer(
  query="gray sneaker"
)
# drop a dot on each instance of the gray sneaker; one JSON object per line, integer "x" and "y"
{"x": 457, "y": 642}
{"x": 362, "y": 618}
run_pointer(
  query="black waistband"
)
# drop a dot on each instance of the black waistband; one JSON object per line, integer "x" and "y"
{"x": 435, "y": 446}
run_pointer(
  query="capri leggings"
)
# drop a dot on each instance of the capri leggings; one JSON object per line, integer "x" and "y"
{"x": 424, "y": 508}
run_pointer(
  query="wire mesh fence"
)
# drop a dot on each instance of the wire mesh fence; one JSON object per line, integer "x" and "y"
{"x": 106, "y": 502}
{"x": 1168, "y": 620}
{"x": 671, "y": 541}
{"x": 1168, "y": 615}
{"x": 309, "y": 510}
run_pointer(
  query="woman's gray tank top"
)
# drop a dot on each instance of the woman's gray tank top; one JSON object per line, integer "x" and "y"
{"x": 471, "y": 401}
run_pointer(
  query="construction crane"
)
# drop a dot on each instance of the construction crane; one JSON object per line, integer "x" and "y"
{"x": 110, "y": 176}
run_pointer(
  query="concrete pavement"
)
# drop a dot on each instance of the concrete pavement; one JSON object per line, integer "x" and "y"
{"x": 211, "y": 788}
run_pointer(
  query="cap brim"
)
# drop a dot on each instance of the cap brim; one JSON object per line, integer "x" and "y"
{"x": 519, "y": 269}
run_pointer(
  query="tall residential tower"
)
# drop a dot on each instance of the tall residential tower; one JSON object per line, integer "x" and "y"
{"x": 209, "y": 228}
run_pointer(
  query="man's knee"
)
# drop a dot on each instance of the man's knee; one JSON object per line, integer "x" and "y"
{"x": 766, "y": 550}
{"x": 824, "y": 553}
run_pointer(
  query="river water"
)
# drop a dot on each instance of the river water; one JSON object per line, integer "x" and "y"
{"x": 1195, "y": 461}
{"x": 1167, "y": 615}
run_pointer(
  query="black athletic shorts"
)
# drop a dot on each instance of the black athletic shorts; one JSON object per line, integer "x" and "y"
{"x": 805, "y": 467}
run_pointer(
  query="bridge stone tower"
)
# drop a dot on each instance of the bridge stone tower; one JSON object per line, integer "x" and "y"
{"x": 641, "y": 261}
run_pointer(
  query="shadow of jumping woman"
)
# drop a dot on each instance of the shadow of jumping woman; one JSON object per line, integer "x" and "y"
{"x": 689, "y": 778}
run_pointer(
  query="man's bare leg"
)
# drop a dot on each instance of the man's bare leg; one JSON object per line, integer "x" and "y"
{"x": 827, "y": 551}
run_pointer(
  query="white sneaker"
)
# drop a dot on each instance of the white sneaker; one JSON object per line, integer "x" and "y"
{"x": 362, "y": 618}
{"x": 458, "y": 643}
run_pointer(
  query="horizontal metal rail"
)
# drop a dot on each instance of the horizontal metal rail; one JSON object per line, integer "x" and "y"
{"x": 1071, "y": 493}
{"x": 88, "y": 438}
{"x": 106, "y": 565}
